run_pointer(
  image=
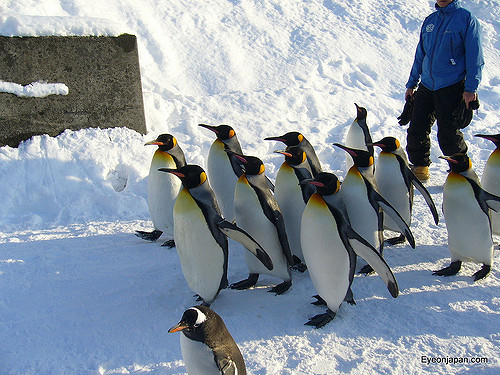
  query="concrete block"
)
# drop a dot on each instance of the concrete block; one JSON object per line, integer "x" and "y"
{"x": 101, "y": 73}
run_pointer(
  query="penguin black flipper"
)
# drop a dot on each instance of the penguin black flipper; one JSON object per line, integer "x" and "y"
{"x": 270, "y": 184}
{"x": 486, "y": 201}
{"x": 377, "y": 200}
{"x": 236, "y": 233}
{"x": 225, "y": 365}
{"x": 408, "y": 174}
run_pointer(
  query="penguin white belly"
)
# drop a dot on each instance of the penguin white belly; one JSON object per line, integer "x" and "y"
{"x": 355, "y": 138}
{"x": 162, "y": 192}
{"x": 490, "y": 181}
{"x": 222, "y": 179}
{"x": 324, "y": 253}
{"x": 469, "y": 233}
{"x": 198, "y": 357}
{"x": 361, "y": 214}
{"x": 288, "y": 194}
{"x": 392, "y": 187}
{"x": 251, "y": 218}
{"x": 202, "y": 259}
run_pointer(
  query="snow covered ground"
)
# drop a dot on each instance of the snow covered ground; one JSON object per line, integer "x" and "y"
{"x": 80, "y": 294}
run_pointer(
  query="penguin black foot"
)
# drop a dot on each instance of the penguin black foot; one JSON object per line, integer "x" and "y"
{"x": 149, "y": 236}
{"x": 298, "y": 265}
{"x": 395, "y": 240}
{"x": 281, "y": 288}
{"x": 451, "y": 270}
{"x": 349, "y": 297}
{"x": 366, "y": 270}
{"x": 170, "y": 243}
{"x": 247, "y": 283}
{"x": 321, "y": 320}
{"x": 319, "y": 301}
{"x": 482, "y": 273}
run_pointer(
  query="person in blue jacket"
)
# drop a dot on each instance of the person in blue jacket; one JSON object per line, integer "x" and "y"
{"x": 447, "y": 69}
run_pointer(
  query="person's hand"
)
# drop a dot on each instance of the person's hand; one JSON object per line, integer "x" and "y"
{"x": 469, "y": 97}
{"x": 409, "y": 93}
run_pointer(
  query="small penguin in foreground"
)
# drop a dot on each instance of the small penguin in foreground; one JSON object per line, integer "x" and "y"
{"x": 292, "y": 197}
{"x": 358, "y": 136}
{"x": 163, "y": 188}
{"x": 395, "y": 182}
{"x": 466, "y": 208}
{"x": 330, "y": 245}
{"x": 222, "y": 172}
{"x": 297, "y": 139}
{"x": 200, "y": 235}
{"x": 490, "y": 179}
{"x": 207, "y": 346}
{"x": 365, "y": 206}
{"x": 258, "y": 213}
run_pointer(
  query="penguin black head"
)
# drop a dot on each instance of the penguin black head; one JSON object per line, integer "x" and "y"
{"x": 223, "y": 132}
{"x": 361, "y": 113}
{"x": 494, "y": 138}
{"x": 293, "y": 155}
{"x": 290, "y": 139}
{"x": 458, "y": 162}
{"x": 326, "y": 183}
{"x": 252, "y": 165}
{"x": 197, "y": 322}
{"x": 388, "y": 144}
{"x": 191, "y": 175}
{"x": 361, "y": 158}
{"x": 165, "y": 142}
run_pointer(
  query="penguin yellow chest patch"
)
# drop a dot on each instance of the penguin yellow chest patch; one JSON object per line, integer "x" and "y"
{"x": 202, "y": 258}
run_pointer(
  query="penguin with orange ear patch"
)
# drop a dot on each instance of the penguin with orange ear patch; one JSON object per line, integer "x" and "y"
{"x": 163, "y": 188}
{"x": 466, "y": 208}
{"x": 200, "y": 235}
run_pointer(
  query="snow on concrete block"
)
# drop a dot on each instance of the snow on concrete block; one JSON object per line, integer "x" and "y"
{"x": 52, "y": 83}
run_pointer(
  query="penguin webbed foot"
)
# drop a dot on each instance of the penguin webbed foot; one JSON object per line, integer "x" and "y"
{"x": 298, "y": 265}
{"x": 169, "y": 243}
{"x": 247, "y": 283}
{"x": 395, "y": 240}
{"x": 319, "y": 301}
{"x": 482, "y": 273}
{"x": 321, "y": 320}
{"x": 451, "y": 270}
{"x": 149, "y": 236}
{"x": 366, "y": 270}
{"x": 349, "y": 297}
{"x": 281, "y": 288}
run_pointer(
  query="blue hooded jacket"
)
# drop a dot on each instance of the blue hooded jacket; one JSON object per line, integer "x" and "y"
{"x": 449, "y": 50}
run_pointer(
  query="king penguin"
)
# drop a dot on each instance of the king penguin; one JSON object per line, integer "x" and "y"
{"x": 358, "y": 136}
{"x": 365, "y": 206}
{"x": 200, "y": 235}
{"x": 395, "y": 182}
{"x": 330, "y": 246}
{"x": 292, "y": 197}
{"x": 466, "y": 209}
{"x": 297, "y": 139}
{"x": 490, "y": 179}
{"x": 222, "y": 172}
{"x": 163, "y": 188}
{"x": 207, "y": 346}
{"x": 258, "y": 213}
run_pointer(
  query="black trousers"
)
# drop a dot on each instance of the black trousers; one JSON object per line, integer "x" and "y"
{"x": 429, "y": 106}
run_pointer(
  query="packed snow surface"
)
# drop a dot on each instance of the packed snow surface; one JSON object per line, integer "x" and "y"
{"x": 80, "y": 294}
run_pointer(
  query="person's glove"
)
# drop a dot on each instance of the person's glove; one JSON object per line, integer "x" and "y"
{"x": 405, "y": 116}
{"x": 463, "y": 115}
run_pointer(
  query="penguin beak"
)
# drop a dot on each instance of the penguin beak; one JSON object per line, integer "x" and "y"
{"x": 349, "y": 150}
{"x": 381, "y": 145}
{"x": 178, "y": 327}
{"x": 283, "y": 152}
{"x": 155, "y": 142}
{"x": 488, "y": 137}
{"x": 209, "y": 127}
{"x": 448, "y": 158}
{"x": 279, "y": 139}
{"x": 173, "y": 171}
{"x": 311, "y": 181}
